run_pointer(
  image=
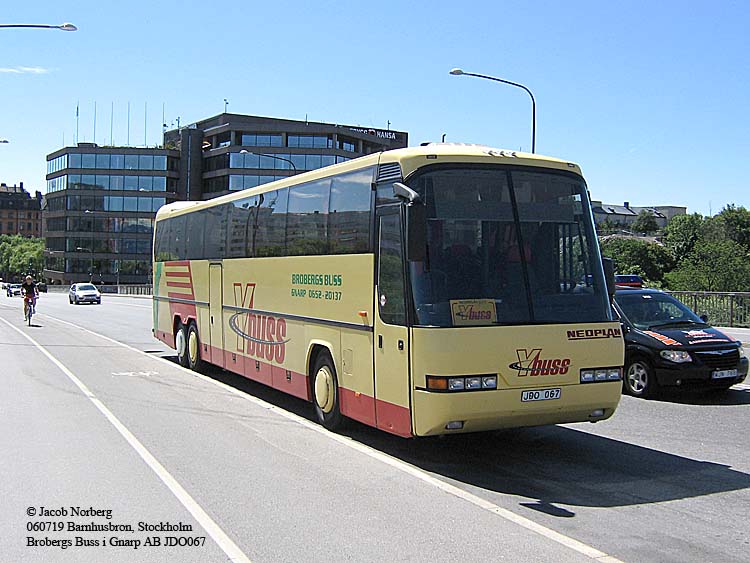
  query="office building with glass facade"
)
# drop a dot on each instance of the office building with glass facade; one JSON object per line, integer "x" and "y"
{"x": 101, "y": 201}
{"x": 99, "y": 211}
{"x": 232, "y": 152}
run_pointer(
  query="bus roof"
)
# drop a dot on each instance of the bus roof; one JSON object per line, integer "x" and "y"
{"x": 409, "y": 159}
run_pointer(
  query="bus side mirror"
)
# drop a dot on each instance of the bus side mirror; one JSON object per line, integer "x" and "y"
{"x": 416, "y": 232}
{"x": 609, "y": 276}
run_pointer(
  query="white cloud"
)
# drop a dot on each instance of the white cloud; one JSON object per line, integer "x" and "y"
{"x": 25, "y": 70}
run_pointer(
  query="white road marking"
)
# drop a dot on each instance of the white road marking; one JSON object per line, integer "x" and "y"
{"x": 575, "y": 545}
{"x": 234, "y": 553}
{"x": 146, "y": 373}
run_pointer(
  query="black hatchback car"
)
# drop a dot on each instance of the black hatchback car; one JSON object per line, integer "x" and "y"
{"x": 667, "y": 344}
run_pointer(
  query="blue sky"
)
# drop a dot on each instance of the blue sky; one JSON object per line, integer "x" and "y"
{"x": 652, "y": 99}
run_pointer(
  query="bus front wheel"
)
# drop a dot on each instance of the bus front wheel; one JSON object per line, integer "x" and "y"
{"x": 325, "y": 391}
{"x": 180, "y": 344}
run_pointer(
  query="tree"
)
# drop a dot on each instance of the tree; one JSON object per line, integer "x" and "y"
{"x": 632, "y": 256}
{"x": 682, "y": 233}
{"x": 736, "y": 224}
{"x": 713, "y": 266}
{"x": 645, "y": 222}
{"x": 21, "y": 255}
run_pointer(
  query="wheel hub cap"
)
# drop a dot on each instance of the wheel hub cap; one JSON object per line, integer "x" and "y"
{"x": 324, "y": 394}
{"x": 180, "y": 345}
{"x": 193, "y": 347}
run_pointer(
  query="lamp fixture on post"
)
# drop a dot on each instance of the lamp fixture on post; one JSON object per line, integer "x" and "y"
{"x": 63, "y": 27}
{"x": 459, "y": 72}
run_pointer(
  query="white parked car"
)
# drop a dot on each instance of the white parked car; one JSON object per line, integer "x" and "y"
{"x": 84, "y": 293}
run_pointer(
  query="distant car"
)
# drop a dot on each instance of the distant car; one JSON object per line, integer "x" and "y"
{"x": 14, "y": 289}
{"x": 42, "y": 287}
{"x": 667, "y": 344}
{"x": 84, "y": 293}
{"x": 628, "y": 280}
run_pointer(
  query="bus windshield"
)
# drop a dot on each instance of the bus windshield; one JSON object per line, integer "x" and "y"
{"x": 507, "y": 246}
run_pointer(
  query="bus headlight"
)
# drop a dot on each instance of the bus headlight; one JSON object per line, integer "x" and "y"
{"x": 473, "y": 382}
{"x": 456, "y": 384}
{"x": 465, "y": 383}
{"x": 489, "y": 382}
{"x": 596, "y": 375}
{"x": 676, "y": 356}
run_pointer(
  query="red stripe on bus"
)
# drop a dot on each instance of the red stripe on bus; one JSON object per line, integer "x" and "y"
{"x": 180, "y": 295}
{"x": 393, "y": 418}
{"x": 357, "y": 406}
{"x": 178, "y": 263}
{"x": 186, "y": 285}
{"x": 172, "y": 274}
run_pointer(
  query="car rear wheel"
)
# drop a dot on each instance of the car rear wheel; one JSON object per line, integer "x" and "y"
{"x": 640, "y": 380}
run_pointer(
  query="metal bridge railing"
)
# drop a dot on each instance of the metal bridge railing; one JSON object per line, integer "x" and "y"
{"x": 730, "y": 309}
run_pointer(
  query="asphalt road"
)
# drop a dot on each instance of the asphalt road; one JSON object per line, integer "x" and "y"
{"x": 95, "y": 416}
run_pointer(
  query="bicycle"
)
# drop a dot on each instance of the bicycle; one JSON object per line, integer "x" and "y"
{"x": 28, "y": 308}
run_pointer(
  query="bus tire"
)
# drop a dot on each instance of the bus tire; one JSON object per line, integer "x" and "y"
{"x": 195, "y": 362}
{"x": 325, "y": 392}
{"x": 180, "y": 344}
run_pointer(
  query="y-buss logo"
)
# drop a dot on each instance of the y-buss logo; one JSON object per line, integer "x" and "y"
{"x": 259, "y": 335}
{"x": 473, "y": 311}
{"x": 531, "y": 362}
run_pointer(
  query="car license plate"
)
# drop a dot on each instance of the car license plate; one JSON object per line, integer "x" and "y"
{"x": 541, "y": 395}
{"x": 724, "y": 373}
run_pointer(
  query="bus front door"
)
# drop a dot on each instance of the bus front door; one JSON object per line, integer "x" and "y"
{"x": 216, "y": 301}
{"x": 392, "y": 380}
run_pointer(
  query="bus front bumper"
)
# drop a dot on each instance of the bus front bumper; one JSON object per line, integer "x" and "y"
{"x": 449, "y": 413}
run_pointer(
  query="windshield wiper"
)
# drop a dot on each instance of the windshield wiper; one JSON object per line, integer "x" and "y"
{"x": 677, "y": 323}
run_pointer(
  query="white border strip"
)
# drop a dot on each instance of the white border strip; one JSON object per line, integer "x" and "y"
{"x": 234, "y": 553}
{"x": 396, "y": 463}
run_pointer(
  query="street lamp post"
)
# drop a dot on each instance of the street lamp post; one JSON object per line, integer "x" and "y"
{"x": 63, "y": 27}
{"x": 459, "y": 72}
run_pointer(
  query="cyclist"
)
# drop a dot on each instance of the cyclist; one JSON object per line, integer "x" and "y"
{"x": 29, "y": 291}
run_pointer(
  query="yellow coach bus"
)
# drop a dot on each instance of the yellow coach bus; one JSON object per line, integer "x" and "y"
{"x": 429, "y": 290}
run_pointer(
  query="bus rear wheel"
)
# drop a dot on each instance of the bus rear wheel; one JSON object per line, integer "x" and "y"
{"x": 325, "y": 392}
{"x": 194, "y": 348}
{"x": 180, "y": 344}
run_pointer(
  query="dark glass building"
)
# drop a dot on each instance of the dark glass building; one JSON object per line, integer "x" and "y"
{"x": 99, "y": 210}
{"x": 101, "y": 201}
